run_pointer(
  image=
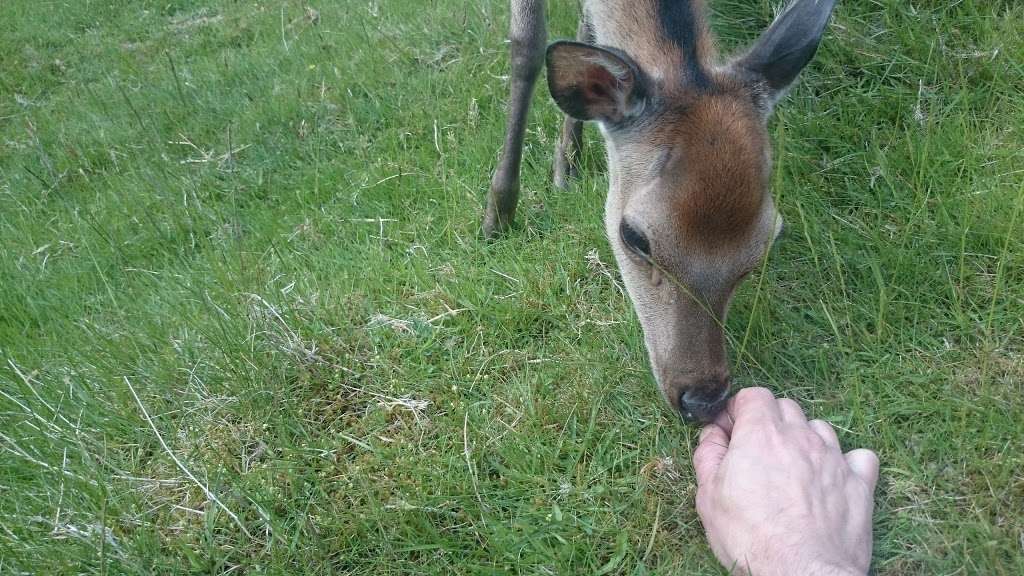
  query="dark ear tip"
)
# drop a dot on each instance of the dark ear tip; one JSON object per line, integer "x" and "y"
{"x": 552, "y": 49}
{"x": 560, "y": 45}
{"x": 818, "y": 4}
{"x": 822, "y": 8}
{"x": 790, "y": 43}
{"x": 575, "y": 43}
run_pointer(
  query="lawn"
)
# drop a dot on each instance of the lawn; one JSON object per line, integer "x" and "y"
{"x": 248, "y": 323}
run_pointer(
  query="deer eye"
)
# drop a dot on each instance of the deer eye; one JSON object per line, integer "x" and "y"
{"x": 635, "y": 240}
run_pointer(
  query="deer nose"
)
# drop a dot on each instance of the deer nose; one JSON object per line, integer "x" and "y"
{"x": 701, "y": 403}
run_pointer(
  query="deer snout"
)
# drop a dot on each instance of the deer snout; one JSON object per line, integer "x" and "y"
{"x": 701, "y": 403}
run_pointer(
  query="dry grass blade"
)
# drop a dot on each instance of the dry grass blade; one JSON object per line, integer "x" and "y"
{"x": 209, "y": 494}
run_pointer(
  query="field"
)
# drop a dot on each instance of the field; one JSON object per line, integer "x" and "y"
{"x": 248, "y": 323}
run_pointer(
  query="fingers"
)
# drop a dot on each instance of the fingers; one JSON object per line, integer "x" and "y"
{"x": 751, "y": 406}
{"x": 827, "y": 433}
{"x": 864, "y": 464}
{"x": 791, "y": 411}
{"x": 710, "y": 451}
{"x": 724, "y": 421}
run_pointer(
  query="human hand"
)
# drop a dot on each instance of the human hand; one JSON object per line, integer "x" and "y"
{"x": 776, "y": 494}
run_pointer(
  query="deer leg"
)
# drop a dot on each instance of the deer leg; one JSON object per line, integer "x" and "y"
{"x": 567, "y": 151}
{"x": 528, "y": 37}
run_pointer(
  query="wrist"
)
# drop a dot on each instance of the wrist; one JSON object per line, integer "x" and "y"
{"x": 823, "y": 569}
{"x": 790, "y": 559}
{"x": 809, "y": 569}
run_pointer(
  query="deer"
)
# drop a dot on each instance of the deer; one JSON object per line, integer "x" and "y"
{"x": 689, "y": 213}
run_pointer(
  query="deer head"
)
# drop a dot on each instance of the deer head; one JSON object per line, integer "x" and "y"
{"x": 689, "y": 212}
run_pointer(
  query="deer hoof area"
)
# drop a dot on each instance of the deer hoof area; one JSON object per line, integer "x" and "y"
{"x": 495, "y": 224}
{"x": 564, "y": 173}
{"x": 564, "y": 179}
{"x": 501, "y": 210}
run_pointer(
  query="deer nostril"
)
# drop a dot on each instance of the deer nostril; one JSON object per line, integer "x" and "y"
{"x": 701, "y": 404}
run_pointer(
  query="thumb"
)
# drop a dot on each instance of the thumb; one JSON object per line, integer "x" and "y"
{"x": 711, "y": 449}
{"x": 864, "y": 464}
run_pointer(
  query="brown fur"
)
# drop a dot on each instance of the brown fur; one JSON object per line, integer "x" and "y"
{"x": 721, "y": 163}
{"x": 716, "y": 136}
{"x": 707, "y": 48}
{"x": 636, "y": 24}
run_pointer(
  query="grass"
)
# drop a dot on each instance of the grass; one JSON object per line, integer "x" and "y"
{"x": 248, "y": 325}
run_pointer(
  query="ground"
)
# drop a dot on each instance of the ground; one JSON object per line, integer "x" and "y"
{"x": 248, "y": 323}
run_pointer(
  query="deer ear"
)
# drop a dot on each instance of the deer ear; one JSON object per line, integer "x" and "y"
{"x": 593, "y": 83}
{"x": 782, "y": 51}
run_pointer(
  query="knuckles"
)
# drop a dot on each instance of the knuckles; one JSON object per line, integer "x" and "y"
{"x": 748, "y": 398}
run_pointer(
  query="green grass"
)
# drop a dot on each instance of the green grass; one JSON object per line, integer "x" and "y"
{"x": 266, "y": 223}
